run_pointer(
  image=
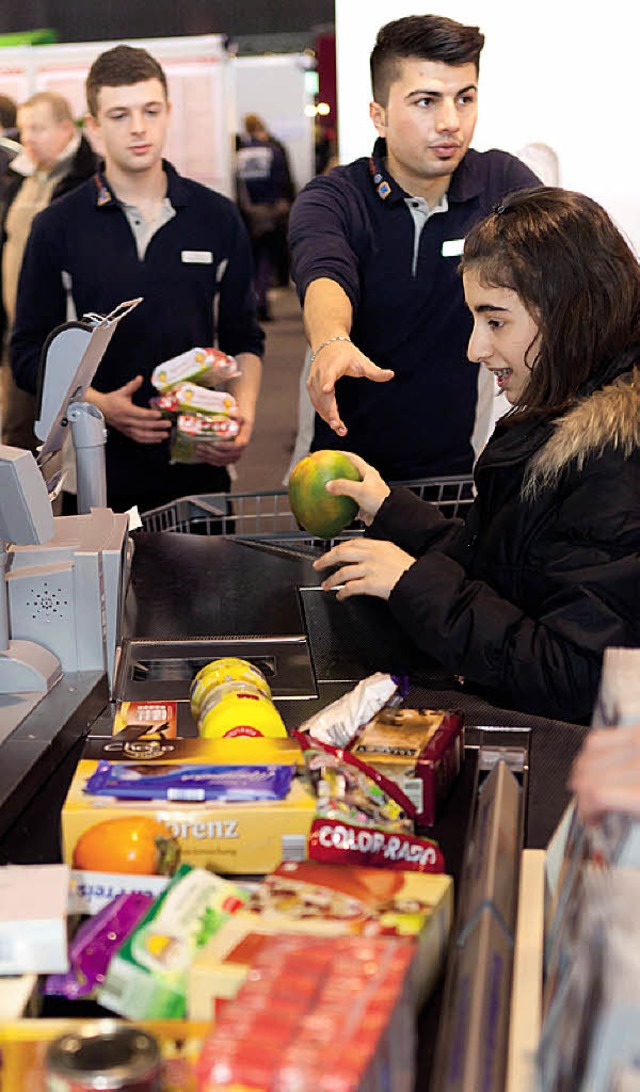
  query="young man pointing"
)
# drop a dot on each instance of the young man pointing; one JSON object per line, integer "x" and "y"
{"x": 375, "y": 249}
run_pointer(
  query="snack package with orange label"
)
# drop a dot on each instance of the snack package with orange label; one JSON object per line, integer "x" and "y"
{"x": 207, "y": 367}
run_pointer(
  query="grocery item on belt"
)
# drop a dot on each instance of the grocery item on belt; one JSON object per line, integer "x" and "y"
{"x": 147, "y": 977}
{"x": 320, "y": 900}
{"x": 230, "y": 697}
{"x": 338, "y": 723}
{"x": 317, "y": 1013}
{"x": 361, "y": 816}
{"x": 94, "y": 943}
{"x": 107, "y": 1041}
{"x": 346, "y": 788}
{"x": 208, "y": 367}
{"x": 238, "y": 709}
{"x": 226, "y": 669}
{"x": 146, "y": 720}
{"x": 153, "y": 781}
{"x": 239, "y": 838}
{"x": 34, "y": 902}
{"x": 420, "y": 749}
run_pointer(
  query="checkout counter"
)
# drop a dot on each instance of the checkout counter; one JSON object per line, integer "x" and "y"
{"x": 193, "y": 598}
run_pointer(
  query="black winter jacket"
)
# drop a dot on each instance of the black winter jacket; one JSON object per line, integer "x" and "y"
{"x": 524, "y": 596}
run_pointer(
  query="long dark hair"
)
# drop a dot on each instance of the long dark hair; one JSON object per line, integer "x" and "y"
{"x": 577, "y": 277}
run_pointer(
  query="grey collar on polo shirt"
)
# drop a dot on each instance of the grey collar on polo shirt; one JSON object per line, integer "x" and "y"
{"x": 421, "y": 211}
{"x": 143, "y": 230}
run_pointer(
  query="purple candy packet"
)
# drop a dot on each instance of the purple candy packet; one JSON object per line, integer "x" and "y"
{"x": 189, "y": 782}
{"x": 94, "y": 944}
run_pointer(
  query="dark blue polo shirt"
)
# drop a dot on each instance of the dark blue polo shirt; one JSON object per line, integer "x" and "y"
{"x": 196, "y": 282}
{"x": 354, "y": 227}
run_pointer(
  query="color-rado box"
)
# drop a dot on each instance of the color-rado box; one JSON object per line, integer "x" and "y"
{"x": 123, "y": 833}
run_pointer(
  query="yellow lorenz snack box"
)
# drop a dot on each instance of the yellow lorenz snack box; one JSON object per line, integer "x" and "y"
{"x": 326, "y": 900}
{"x": 235, "y": 838}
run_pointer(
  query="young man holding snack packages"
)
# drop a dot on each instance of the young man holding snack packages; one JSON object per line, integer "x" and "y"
{"x": 137, "y": 228}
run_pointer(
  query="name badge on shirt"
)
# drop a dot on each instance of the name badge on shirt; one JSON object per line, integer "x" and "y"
{"x": 197, "y": 257}
{"x": 452, "y": 248}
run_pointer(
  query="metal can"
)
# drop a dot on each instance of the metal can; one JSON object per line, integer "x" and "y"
{"x": 104, "y": 1056}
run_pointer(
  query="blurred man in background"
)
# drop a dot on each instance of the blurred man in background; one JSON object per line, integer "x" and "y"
{"x": 9, "y": 149}
{"x": 264, "y": 193}
{"x": 55, "y": 159}
{"x": 8, "y": 136}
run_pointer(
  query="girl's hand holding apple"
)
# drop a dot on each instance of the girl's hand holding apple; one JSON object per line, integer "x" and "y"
{"x": 369, "y": 493}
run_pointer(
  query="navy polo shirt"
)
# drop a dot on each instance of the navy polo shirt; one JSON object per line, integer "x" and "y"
{"x": 353, "y": 226}
{"x": 195, "y": 278}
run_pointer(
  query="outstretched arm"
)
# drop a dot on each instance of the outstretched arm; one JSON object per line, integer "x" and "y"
{"x": 328, "y": 317}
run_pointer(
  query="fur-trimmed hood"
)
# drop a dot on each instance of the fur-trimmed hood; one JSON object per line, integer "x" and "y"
{"x": 608, "y": 417}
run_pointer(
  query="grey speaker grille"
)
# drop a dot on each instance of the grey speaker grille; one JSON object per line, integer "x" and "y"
{"x": 47, "y": 601}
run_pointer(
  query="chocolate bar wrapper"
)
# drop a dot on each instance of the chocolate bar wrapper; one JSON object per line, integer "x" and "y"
{"x": 94, "y": 944}
{"x": 151, "y": 781}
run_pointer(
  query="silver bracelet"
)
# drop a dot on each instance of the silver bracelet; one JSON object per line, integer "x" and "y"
{"x": 339, "y": 337}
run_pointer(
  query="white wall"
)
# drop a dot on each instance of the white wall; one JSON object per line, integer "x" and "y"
{"x": 274, "y": 88}
{"x": 554, "y": 71}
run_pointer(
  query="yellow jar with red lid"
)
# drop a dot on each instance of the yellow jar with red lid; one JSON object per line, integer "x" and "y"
{"x": 227, "y": 669}
{"x": 237, "y": 710}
